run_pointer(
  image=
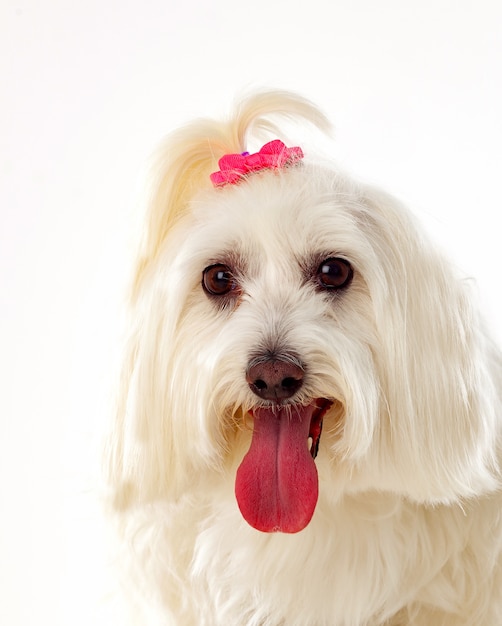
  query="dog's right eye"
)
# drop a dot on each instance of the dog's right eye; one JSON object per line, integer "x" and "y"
{"x": 334, "y": 274}
{"x": 217, "y": 280}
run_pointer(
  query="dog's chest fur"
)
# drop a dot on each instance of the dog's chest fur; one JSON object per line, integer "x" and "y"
{"x": 358, "y": 562}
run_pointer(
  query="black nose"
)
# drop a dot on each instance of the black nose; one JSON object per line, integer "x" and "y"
{"x": 274, "y": 378}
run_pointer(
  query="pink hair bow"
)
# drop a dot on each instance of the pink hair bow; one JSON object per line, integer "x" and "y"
{"x": 273, "y": 155}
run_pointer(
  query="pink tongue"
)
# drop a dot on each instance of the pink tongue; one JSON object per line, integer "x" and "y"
{"x": 276, "y": 484}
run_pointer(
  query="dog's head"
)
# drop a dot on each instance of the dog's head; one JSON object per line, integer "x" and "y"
{"x": 290, "y": 299}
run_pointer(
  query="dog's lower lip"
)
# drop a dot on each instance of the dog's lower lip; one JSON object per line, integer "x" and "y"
{"x": 322, "y": 406}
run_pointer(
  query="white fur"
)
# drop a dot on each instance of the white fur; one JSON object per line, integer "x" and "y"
{"x": 408, "y": 526}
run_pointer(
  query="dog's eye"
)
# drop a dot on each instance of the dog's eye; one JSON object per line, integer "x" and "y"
{"x": 334, "y": 273}
{"x": 217, "y": 280}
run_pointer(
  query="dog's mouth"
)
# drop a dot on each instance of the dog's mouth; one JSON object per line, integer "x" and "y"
{"x": 276, "y": 484}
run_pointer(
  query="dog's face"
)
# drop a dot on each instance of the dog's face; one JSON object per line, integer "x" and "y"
{"x": 297, "y": 334}
{"x": 295, "y": 301}
{"x": 278, "y": 320}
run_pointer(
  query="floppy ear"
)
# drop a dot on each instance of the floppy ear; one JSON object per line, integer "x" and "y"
{"x": 437, "y": 439}
{"x": 148, "y": 448}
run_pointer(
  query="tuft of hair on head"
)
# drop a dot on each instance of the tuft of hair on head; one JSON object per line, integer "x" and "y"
{"x": 185, "y": 159}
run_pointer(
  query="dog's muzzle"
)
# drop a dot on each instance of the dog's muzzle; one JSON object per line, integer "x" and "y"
{"x": 276, "y": 484}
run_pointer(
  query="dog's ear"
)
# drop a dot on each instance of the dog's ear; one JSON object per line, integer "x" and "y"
{"x": 436, "y": 367}
{"x": 151, "y": 450}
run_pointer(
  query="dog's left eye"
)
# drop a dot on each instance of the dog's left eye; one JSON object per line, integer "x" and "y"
{"x": 334, "y": 273}
{"x": 217, "y": 280}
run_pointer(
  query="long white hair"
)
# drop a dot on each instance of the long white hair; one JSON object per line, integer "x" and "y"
{"x": 434, "y": 425}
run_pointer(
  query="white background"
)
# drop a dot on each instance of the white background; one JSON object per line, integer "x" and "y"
{"x": 88, "y": 88}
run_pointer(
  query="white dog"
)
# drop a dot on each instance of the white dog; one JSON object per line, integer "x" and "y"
{"x": 275, "y": 296}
